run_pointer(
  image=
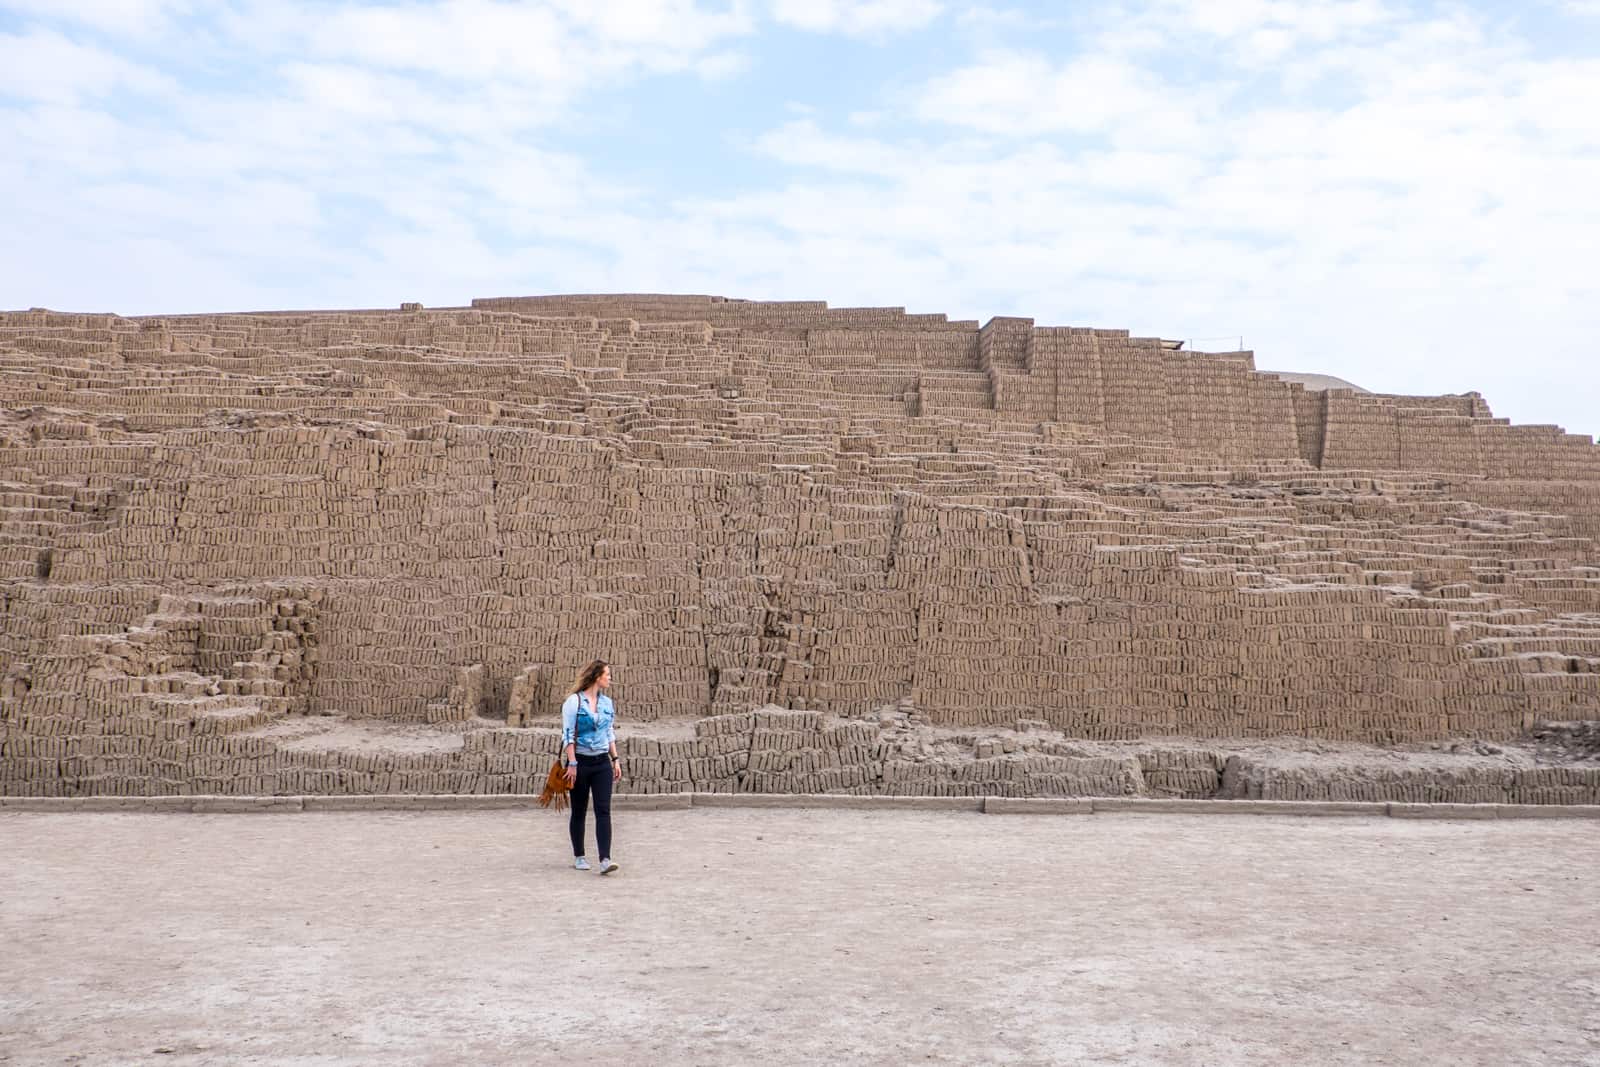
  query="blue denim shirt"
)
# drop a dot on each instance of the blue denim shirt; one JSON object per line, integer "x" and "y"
{"x": 590, "y": 725}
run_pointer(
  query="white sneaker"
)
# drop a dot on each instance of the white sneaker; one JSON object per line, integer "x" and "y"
{"x": 583, "y": 865}
{"x": 607, "y": 866}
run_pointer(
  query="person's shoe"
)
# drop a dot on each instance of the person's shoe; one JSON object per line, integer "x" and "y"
{"x": 583, "y": 865}
{"x": 606, "y": 866}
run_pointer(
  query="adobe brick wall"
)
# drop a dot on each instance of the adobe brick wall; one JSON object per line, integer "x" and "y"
{"x": 210, "y": 524}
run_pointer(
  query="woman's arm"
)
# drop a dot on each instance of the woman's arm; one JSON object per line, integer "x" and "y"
{"x": 569, "y": 737}
{"x": 616, "y": 761}
{"x": 569, "y": 725}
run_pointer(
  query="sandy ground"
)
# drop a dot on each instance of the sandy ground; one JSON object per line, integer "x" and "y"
{"x": 784, "y": 936}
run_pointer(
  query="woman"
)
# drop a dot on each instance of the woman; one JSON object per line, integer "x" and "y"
{"x": 590, "y": 746}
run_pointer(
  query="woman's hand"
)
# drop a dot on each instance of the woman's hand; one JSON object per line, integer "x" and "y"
{"x": 616, "y": 770}
{"x": 572, "y": 777}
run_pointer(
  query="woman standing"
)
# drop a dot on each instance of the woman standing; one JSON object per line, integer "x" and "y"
{"x": 590, "y": 746}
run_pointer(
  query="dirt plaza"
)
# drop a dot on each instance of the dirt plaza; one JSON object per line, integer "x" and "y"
{"x": 798, "y": 936}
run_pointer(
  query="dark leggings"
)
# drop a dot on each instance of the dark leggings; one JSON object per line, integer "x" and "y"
{"x": 594, "y": 773}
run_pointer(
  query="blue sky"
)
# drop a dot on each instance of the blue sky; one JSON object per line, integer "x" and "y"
{"x": 1402, "y": 194}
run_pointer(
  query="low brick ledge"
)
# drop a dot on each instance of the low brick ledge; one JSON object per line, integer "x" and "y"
{"x": 213, "y": 804}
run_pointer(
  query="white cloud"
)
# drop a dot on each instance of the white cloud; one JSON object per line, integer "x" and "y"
{"x": 721, "y": 66}
{"x": 1024, "y": 93}
{"x": 986, "y": 17}
{"x": 1320, "y": 22}
{"x": 136, "y": 18}
{"x": 45, "y": 66}
{"x": 802, "y": 143}
{"x": 557, "y": 48}
{"x": 860, "y": 18}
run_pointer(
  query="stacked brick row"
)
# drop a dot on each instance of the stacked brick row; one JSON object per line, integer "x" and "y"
{"x": 1474, "y": 785}
{"x": 769, "y": 750}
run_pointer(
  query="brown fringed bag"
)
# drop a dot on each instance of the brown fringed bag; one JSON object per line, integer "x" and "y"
{"x": 555, "y": 787}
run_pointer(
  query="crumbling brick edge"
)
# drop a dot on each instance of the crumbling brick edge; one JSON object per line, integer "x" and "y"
{"x": 679, "y": 801}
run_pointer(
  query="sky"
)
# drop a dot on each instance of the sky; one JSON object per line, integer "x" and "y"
{"x": 1400, "y": 194}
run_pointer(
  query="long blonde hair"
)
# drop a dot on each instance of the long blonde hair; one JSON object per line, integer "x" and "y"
{"x": 590, "y": 675}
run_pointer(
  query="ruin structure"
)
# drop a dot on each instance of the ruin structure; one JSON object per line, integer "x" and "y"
{"x": 794, "y": 530}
